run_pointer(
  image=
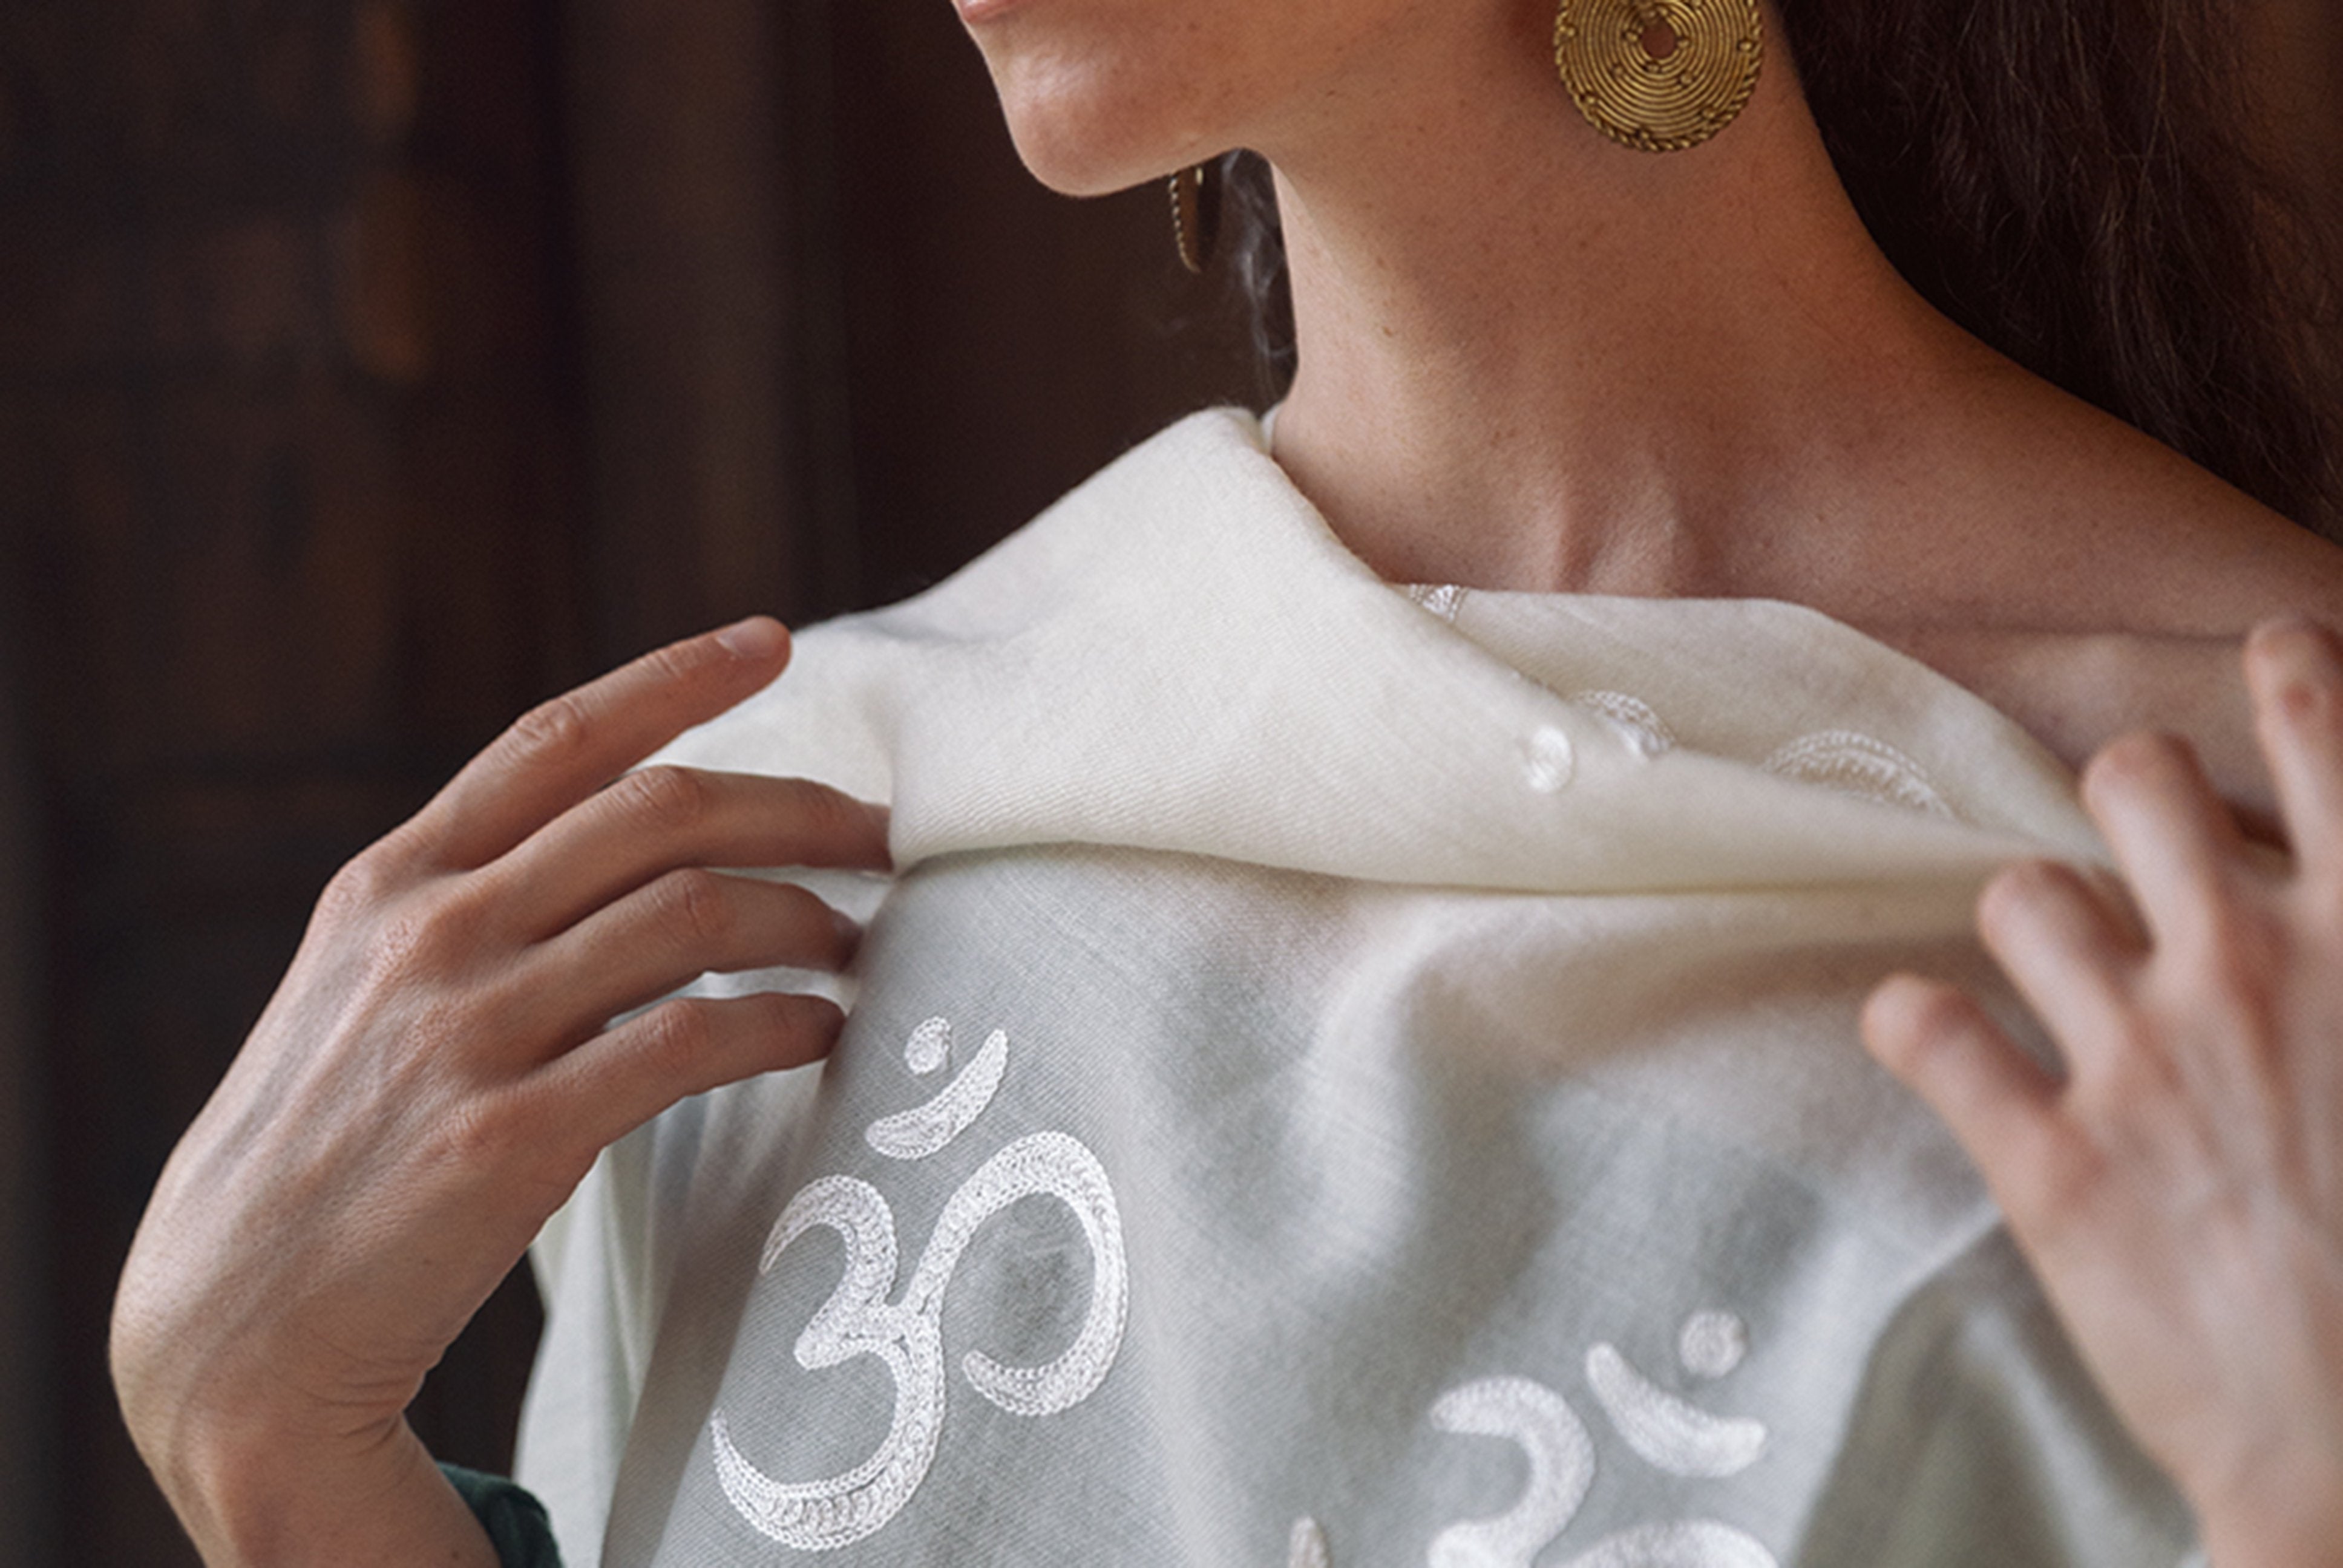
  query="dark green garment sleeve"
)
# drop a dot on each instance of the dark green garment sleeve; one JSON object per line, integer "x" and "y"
{"x": 515, "y": 1520}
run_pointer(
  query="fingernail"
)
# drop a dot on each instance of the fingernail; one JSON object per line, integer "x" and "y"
{"x": 756, "y": 637}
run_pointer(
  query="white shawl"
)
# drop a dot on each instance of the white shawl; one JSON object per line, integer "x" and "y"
{"x": 1342, "y": 1075}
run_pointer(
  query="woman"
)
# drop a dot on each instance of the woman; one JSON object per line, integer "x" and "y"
{"x": 1400, "y": 1049}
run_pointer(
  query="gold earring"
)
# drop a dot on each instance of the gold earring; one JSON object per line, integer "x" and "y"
{"x": 1196, "y": 213}
{"x": 1659, "y": 74}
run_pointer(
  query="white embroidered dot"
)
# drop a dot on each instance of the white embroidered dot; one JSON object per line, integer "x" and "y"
{"x": 929, "y": 1046}
{"x": 924, "y": 1129}
{"x": 1712, "y": 1344}
{"x": 1668, "y": 1433}
{"x": 1562, "y": 1467}
{"x": 1305, "y": 1546}
{"x": 1548, "y": 760}
{"x": 1692, "y": 1544}
{"x": 1859, "y": 765}
{"x": 1646, "y": 731}
{"x": 1442, "y": 599}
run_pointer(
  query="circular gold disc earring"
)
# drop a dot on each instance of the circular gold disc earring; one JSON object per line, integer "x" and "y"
{"x": 1659, "y": 74}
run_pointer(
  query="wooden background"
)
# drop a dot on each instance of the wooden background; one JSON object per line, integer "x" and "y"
{"x": 372, "y": 369}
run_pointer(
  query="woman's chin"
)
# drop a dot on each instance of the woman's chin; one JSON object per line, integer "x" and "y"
{"x": 1091, "y": 123}
{"x": 1081, "y": 165}
{"x": 1082, "y": 182}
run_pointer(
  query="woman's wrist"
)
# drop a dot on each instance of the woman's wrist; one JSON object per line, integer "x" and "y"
{"x": 252, "y": 1501}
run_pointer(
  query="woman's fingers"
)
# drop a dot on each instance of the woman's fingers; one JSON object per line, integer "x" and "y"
{"x": 651, "y": 822}
{"x": 2069, "y": 953}
{"x": 2002, "y": 1107}
{"x": 561, "y": 752}
{"x": 622, "y": 1078}
{"x": 2295, "y": 672}
{"x": 662, "y": 936}
{"x": 2177, "y": 843}
{"x": 2180, "y": 1197}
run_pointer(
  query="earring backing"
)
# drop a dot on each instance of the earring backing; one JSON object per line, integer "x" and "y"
{"x": 1196, "y": 213}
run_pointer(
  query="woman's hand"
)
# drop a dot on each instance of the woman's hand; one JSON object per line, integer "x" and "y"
{"x": 2180, "y": 1191}
{"x": 434, "y": 1077}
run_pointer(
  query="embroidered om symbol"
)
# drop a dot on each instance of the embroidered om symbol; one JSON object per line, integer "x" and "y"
{"x": 905, "y": 1335}
{"x": 1562, "y": 1467}
{"x": 1669, "y": 1433}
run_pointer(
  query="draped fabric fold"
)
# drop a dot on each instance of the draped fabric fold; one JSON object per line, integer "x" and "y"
{"x": 1342, "y": 1074}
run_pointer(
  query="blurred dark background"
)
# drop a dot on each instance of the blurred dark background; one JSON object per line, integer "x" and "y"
{"x": 370, "y": 369}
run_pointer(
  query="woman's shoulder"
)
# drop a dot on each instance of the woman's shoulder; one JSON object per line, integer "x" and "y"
{"x": 2083, "y": 524}
{"x": 2186, "y": 554}
{"x": 2133, "y": 614}
{"x": 2075, "y": 691}
{"x": 2119, "y": 590}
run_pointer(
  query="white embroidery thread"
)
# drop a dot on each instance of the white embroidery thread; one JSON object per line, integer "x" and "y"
{"x": 1548, "y": 760}
{"x": 1860, "y": 766}
{"x": 1305, "y": 1546}
{"x": 1664, "y": 1431}
{"x": 930, "y": 1047}
{"x": 1646, "y": 731}
{"x": 907, "y": 1336}
{"x": 1442, "y": 599}
{"x": 1693, "y": 1543}
{"x": 1712, "y": 1344}
{"x": 926, "y": 1129}
{"x": 1040, "y": 1164}
{"x": 817, "y": 1516}
{"x": 1676, "y": 1437}
{"x": 1562, "y": 1467}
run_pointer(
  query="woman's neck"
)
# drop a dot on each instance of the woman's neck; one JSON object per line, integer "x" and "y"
{"x": 1531, "y": 358}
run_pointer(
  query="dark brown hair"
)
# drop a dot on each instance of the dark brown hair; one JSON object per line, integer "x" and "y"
{"x": 2076, "y": 182}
